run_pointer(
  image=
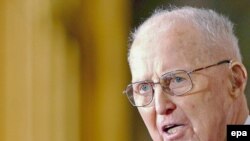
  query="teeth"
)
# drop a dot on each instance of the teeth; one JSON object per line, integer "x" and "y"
{"x": 172, "y": 131}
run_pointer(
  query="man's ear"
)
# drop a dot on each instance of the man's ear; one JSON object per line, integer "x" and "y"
{"x": 239, "y": 78}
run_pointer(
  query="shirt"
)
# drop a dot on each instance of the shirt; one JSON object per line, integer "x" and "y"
{"x": 247, "y": 122}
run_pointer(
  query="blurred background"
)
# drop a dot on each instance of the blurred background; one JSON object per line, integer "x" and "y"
{"x": 63, "y": 66}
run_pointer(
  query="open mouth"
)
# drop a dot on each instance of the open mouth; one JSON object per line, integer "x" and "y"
{"x": 172, "y": 128}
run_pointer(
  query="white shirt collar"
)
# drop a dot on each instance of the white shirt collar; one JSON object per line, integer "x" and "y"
{"x": 247, "y": 122}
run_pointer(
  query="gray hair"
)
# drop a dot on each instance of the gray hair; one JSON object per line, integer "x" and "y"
{"x": 217, "y": 29}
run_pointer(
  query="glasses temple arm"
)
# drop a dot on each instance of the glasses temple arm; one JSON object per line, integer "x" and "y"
{"x": 219, "y": 63}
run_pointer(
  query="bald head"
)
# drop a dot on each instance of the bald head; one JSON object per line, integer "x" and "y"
{"x": 214, "y": 31}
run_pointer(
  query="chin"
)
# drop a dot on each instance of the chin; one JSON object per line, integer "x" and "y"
{"x": 155, "y": 136}
{"x": 158, "y": 138}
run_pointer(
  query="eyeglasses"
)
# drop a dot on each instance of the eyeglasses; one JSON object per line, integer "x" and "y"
{"x": 176, "y": 83}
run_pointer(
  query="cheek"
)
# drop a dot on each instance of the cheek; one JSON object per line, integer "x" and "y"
{"x": 149, "y": 117}
{"x": 206, "y": 114}
{"x": 221, "y": 95}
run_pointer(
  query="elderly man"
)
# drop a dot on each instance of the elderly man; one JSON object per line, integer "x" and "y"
{"x": 188, "y": 79}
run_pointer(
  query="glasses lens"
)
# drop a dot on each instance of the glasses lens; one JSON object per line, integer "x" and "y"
{"x": 140, "y": 94}
{"x": 176, "y": 83}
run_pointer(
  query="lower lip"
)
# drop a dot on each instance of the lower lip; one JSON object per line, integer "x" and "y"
{"x": 177, "y": 135}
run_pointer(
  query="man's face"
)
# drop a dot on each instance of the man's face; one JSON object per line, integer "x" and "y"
{"x": 201, "y": 114}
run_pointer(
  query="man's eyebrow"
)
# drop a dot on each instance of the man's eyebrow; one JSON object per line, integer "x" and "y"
{"x": 141, "y": 81}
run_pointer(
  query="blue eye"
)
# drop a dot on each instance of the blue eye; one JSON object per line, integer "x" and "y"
{"x": 144, "y": 88}
{"x": 179, "y": 79}
{"x": 176, "y": 82}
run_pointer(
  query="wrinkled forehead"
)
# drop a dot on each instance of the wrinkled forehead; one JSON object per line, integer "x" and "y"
{"x": 177, "y": 43}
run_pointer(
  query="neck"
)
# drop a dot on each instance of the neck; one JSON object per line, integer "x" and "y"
{"x": 240, "y": 110}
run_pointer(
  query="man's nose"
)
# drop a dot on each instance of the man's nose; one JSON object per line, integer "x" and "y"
{"x": 163, "y": 104}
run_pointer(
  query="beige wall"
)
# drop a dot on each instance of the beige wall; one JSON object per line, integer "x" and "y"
{"x": 105, "y": 28}
{"x": 57, "y": 86}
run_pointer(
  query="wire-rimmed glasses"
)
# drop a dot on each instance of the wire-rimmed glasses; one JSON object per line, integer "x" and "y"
{"x": 176, "y": 83}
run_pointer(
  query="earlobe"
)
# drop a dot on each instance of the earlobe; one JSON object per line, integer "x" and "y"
{"x": 238, "y": 78}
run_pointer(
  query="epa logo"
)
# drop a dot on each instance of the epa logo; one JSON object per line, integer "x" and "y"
{"x": 238, "y": 133}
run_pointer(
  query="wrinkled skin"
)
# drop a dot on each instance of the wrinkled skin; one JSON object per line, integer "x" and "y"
{"x": 206, "y": 110}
